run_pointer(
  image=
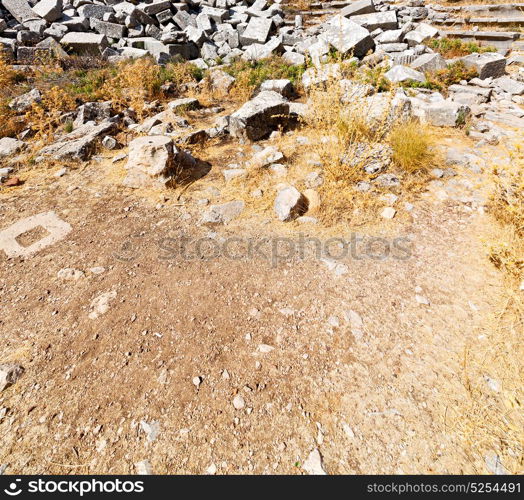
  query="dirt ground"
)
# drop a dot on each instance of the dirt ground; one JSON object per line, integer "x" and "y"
{"x": 363, "y": 362}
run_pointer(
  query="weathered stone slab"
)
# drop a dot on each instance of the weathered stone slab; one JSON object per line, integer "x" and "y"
{"x": 79, "y": 144}
{"x": 50, "y": 10}
{"x": 384, "y": 20}
{"x": 347, "y": 36}
{"x": 488, "y": 64}
{"x": 56, "y": 227}
{"x": 429, "y": 62}
{"x": 356, "y": 8}
{"x": 259, "y": 116}
{"x": 85, "y": 43}
{"x": 20, "y": 10}
{"x": 257, "y": 31}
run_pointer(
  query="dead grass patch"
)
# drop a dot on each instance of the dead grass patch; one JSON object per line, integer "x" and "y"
{"x": 491, "y": 420}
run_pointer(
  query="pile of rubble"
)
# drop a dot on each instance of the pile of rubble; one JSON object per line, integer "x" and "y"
{"x": 207, "y": 31}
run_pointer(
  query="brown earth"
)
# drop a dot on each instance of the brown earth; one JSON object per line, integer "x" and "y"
{"x": 376, "y": 401}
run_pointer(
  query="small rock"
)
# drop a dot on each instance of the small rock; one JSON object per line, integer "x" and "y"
{"x": 144, "y": 468}
{"x": 388, "y": 213}
{"x": 238, "y": 402}
{"x": 313, "y": 464}
{"x": 9, "y": 374}
{"x": 100, "y": 305}
{"x": 70, "y": 274}
{"x": 151, "y": 429}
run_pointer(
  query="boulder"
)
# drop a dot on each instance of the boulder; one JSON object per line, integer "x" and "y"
{"x": 429, "y": 62}
{"x": 25, "y": 101}
{"x": 283, "y": 87}
{"x": 10, "y": 146}
{"x": 347, "y": 37}
{"x": 401, "y": 73}
{"x": 85, "y": 44}
{"x": 258, "y": 117}
{"x": 444, "y": 113}
{"x": 290, "y": 203}
{"x": 152, "y": 162}
{"x": 487, "y": 64}
{"x": 359, "y": 7}
{"x": 79, "y": 144}
{"x": 50, "y": 10}
{"x": 386, "y": 20}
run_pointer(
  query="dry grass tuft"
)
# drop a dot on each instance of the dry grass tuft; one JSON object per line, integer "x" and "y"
{"x": 46, "y": 116}
{"x": 413, "y": 147}
{"x": 491, "y": 419}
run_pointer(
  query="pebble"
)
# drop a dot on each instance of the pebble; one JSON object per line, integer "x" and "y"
{"x": 313, "y": 465}
{"x": 238, "y": 402}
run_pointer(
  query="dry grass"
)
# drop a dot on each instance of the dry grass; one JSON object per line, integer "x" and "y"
{"x": 413, "y": 147}
{"x": 46, "y": 116}
{"x": 491, "y": 419}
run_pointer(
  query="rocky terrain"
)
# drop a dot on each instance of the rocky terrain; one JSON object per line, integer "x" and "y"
{"x": 255, "y": 237}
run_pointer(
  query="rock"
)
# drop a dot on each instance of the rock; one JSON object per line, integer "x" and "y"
{"x": 401, "y": 73}
{"x": 197, "y": 381}
{"x": 444, "y": 114}
{"x": 109, "y": 142}
{"x": 144, "y": 468}
{"x": 258, "y": 117}
{"x": 267, "y": 156}
{"x": 509, "y": 85}
{"x": 313, "y": 465}
{"x": 86, "y": 44}
{"x": 422, "y": 300}
{"x": 238, "y": 402}
{"x": 388, "y": 213}
{"x": 100, "y": 305}
{"x": 419, "y": 35}
{"x": 314, "y": 180}
{"x": 151, "y": 429}
{"x": 387, "y": 180}
{"x": 93, "y": 111}
{"x": 10, "y": 146}
{"x": 358, "y": 7}
{"x": 487, "y": 64}
{"x": 233, "y": 173}
{"x": 183, "y": 104}
{"x": 79, "y": 144}
{"x": 220, "y": 81}
{"x": 289, "y": 204}
{"x": 494, "y": 464}
{"x": 372, "y": 158}
{"x": 265, "y": 349}
{"x": 346, "y": 36}
{"x": 224, "y": 213}
{"x": 25, "y": 101}
{"x": 355, "y": 322}
{"x": 386, "y": 20}
{"x": 211, "y": 470}
{"x": 50, "y": 10}
{"x": 429, "y": 62}
{"x": 70, "y": 274}
{"x": 9, "y": 374}
{"x": 257, "y": 31}
{"x": 283, "y": 87}
{"x": 153, "y": 161}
